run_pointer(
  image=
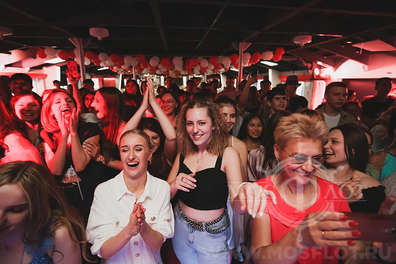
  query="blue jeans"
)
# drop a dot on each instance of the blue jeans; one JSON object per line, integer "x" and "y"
{"x": 200, "y": 247}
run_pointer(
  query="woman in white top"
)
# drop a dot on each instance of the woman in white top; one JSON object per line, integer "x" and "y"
{"x": 131, "y": 215}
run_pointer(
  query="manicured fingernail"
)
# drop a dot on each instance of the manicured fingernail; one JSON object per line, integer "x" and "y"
{"x": 353, "y": 224}
{"x": 356, "y": 233}
{"x": 351, "y": 243}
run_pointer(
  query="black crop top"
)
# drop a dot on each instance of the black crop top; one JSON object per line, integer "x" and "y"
{"x": 212, "y": 190}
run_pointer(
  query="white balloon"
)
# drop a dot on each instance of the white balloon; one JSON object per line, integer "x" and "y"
{"x": 87, "y": 61}
{"x": 245, "y": 58}
{"x": 226, "y": 62}
{"x": 267, "y": 55}
{"x": 154, "y": 61}
{"x": 179, "y": 68}
{"x": 103, "y": 56}
{"x": 204, "y": 63}
{"x": 109, "y": 62}
{"x": 51, "y": 52}
{"x": 196, "y": 70}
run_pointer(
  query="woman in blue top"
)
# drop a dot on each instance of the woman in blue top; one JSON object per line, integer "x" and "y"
{"x": 36, "y": 225}
{"x": 202, "y": 176}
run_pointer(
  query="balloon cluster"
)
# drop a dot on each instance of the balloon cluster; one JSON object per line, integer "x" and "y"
{"x": 173, "y": 67}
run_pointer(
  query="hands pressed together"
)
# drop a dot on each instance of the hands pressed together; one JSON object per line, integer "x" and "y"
{"x": 68, "y": 125}
{"x": 136, "y": 219}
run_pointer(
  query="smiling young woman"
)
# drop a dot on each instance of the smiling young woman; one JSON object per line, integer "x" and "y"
{"x": 203, "y": 175}
{"x": 131, "y": 215}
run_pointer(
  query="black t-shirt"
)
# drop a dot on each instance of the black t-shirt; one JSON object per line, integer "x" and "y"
{"x": 373, "y": 108}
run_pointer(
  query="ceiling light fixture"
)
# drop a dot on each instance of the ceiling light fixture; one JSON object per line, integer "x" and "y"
{"x": 269, "y": 63}
{"x": 99, "y": 32}
{"x": 302, "y": 40}
{"x": 103, "y": 68}
{"x": 54, "y": 60}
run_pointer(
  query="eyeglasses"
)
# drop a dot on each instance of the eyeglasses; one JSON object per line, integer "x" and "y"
{"x": 302, "y": 158}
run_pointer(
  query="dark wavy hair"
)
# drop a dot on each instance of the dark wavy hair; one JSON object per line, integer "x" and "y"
{"x": 153, "y": 125}
{"x": 355, "y": 145}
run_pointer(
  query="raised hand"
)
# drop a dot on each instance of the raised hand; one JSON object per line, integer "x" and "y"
{"x": 150, "y": 89}
{"x": 91, "y": 149}
{"x": 63, "y": 124}
{"x": 73, "y": 122}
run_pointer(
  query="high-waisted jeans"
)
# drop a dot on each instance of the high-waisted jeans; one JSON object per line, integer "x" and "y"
{"x": 193, "y": 246}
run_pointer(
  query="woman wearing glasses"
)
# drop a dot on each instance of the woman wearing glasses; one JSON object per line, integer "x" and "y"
{"x": 307, "y": 225}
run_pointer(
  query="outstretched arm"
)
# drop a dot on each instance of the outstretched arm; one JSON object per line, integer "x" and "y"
{"x": 166, "y": 125}
{"x": 135, "y": 119}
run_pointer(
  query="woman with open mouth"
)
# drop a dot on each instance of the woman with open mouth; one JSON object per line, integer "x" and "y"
{"x": 308, "y": 224}
{"x": 70, "y": 147}
{"x": 131, "y": 215}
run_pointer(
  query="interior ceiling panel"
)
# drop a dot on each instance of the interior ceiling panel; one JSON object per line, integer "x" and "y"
{"x": 202, "y": 27}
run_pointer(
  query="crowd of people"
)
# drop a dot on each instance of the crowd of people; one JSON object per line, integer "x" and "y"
{"x": 160, "y": 174}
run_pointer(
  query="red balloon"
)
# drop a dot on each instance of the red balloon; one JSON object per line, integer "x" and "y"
{"x": 255, "y": 58}
{"x": 278, "y": 54}
{"x": 63, "y": 54}
{"x": 41, "y": 53}
{"x": 235, "y": 60}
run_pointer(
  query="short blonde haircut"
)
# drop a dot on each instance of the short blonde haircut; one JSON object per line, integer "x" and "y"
{"x": 299, "y": 126}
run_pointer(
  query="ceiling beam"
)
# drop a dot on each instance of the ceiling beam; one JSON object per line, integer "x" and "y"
{"x": 214, "y": 22}
{"x": 35, "y": 18}
{"x": 346, "y": 52}
{"x": 279, "y": 7}
{"x": 305, "y": 55}
{"x": 334, "y": 40}
{"x": 281, "y": 20}
{"x": 155, "y": 7}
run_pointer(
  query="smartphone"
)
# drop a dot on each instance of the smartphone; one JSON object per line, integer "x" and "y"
{"x": 374, "y": 227}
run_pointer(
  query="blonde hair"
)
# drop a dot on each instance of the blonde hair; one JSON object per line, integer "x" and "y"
{"x": 48, "y": 120}
{"x": 136, "y": 132}
{"x": 299, "y": 126}
{"x": 218, "y": 140}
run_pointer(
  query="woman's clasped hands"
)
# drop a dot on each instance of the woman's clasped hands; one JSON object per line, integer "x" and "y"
{"x": 136, "y": 219}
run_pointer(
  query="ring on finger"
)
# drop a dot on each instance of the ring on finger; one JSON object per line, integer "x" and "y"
{"x": 323, "y": 234}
